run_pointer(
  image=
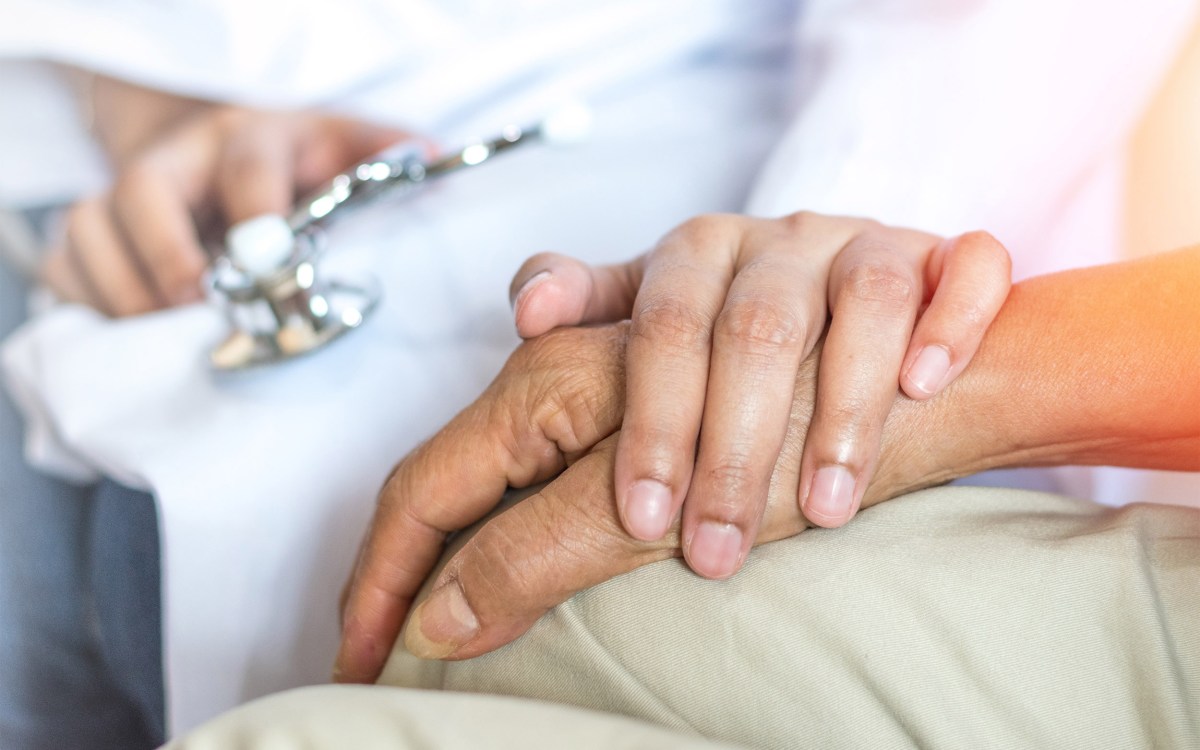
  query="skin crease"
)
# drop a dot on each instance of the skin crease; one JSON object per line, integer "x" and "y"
{"x": 1112, "y": 381}
{"x": 724, "y": 310}
{"x": 185, "y": 170}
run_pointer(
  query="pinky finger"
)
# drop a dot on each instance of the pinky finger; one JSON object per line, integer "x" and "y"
{"x": 971, "y": 276}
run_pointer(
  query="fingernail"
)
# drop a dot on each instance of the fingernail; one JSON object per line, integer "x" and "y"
{"x": 530, "y": 284}
{"x": 442, "y": 624}
{"x": 830, "y": 500}
{"x": 648, "y": 509}
{"x": 929, "y": 369}
{"x": 716, "y": 549}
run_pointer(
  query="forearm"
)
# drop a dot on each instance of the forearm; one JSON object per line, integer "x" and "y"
{"x": 1092, "y": 366}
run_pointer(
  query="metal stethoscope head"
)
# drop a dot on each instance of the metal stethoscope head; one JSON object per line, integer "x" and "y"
{"x": 279, "y": 303}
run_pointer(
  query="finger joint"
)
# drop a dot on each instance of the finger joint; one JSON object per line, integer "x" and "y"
{"x": 881, "y": 284}
{"x": 671, "y": 322}
{"x": 758, "y": 324}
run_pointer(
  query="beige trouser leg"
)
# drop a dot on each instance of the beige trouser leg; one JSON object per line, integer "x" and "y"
{"x": 956, "y": 617}
{"x": 952, "y": 618}
{"x": 383, "y": 718}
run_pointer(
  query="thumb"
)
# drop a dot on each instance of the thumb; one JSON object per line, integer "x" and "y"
{"x": 552, "y": 290}
{"x": 528, "y": 559}
{"x": 530, "y": 423}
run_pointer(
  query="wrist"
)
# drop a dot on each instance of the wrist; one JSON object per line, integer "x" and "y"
{"x": 971, "y": 426}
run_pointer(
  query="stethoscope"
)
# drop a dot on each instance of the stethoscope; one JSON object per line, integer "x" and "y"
{"x": 280, "y": 303}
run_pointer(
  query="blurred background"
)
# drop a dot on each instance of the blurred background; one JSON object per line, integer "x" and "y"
{"x": 172, "y": 542}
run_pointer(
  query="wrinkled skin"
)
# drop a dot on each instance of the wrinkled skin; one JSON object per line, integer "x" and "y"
{"x": 554, "y": 412}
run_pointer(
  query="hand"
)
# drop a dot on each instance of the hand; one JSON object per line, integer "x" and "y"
{"x": 556, "y": 405}
{"x": 139, "y": 247}
{"x": 724, "y": 310}
{"x": 1111, "y": 382}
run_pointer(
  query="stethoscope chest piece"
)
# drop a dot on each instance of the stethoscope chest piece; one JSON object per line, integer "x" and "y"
{"x": 281, "y": 305}
{"x": 285, "y": 307}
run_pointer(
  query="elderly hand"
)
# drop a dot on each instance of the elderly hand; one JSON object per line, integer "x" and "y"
{"x": 563, "y": 392}
{"x": 556, "y": 405}
{"x": 724, "y": 311}
{"x": 138, "y": 248}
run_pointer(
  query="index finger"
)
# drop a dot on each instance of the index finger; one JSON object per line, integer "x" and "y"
{"x": 156, "y": 202}
{"x": 536, "y": 416}
{"x": 565, "y": 538}
{"x": 526, "y": 560}
{"x": 670, "y": 337}
{"x": 546, "y": 548}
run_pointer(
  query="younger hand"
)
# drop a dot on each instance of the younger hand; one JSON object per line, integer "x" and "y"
{"x": 138, "y": 248}
{"x": 724, "y": 311}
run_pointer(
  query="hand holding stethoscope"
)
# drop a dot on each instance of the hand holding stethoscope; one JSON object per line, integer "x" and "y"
{"x": 139, "y": 247}
{"x": 280, "y": 304}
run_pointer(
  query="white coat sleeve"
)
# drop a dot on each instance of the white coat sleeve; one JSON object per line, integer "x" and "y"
{"x": 301, "y": 52}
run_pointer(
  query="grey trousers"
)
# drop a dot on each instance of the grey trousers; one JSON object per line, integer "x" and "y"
{"x": 80, "y": 620}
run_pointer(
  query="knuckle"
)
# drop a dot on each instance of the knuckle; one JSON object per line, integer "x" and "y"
{"x": 659, "y": 442}
{"x": 575, "y": 413}
{"x": 847, "y": 426}
{"x": 705, "y": 227}
{"x": 521, "y": 443}
{"x": 659, "y": 448}
{"x": 671, "y": 322}
{"x": 559, "y": 393}
{"x": 731, "y": 478}
{"x": 760, "y": 323}
{"x": 880, "y": 282}
{"x": 800, "y": 222}
{"x": 812, "y": 224}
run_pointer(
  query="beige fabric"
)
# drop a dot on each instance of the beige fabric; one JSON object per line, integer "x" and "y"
{"x": 381, "y": 718}
{"x": 956, "y": 617}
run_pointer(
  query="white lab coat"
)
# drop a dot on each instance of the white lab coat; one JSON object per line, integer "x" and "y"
{"x": 1002, "y": 114}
